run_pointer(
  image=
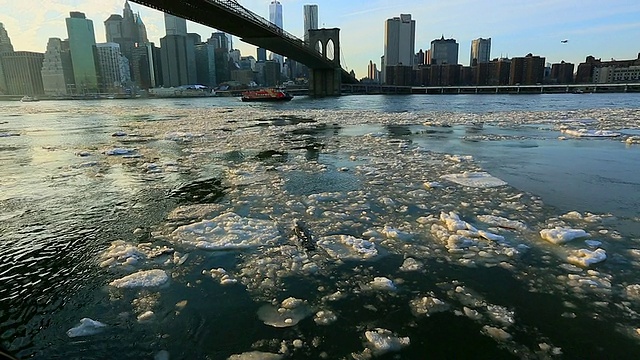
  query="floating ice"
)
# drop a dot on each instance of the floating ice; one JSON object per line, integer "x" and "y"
{"x": 458, "y": 158}
{"x": 325, "y": 317}
{"x": 86, "y": 327}
{"x": 411, "y": 264}
{"x": 502, "y": 222}
{"x": 181, "y": 136}
{"x": 590, "y": 133}
{"x": 144, "y": 278}
{"x": 228, "y": 231}
{"x": 255, "y": 355}
{"x": 633, "y": 140}
{"x": 221, "y": 275}
{"x": 146, "y": 316}
{"x": 120, "y": 151}
{"x": 432, "y": 185}
{"x": 593, "y": 243}
{"x": 288, "y": 314}
{"x": 119, "y": 134}
{"x": 382, "y": 283}
{"x": 562, "y": 235}
{"x": 633, "y": 292}
{"x": 348, "y": 247}
{"x": 382, "y": 341}
{"x": 121, "y": 253}
{"x": 428, "y": 305}
{"x": 393, "y": 233}
{"x": 474, "y": 179}
{"x": 586, "y": 258}
{"x": 496, "y": 333}
{"x": 8, "y": 134}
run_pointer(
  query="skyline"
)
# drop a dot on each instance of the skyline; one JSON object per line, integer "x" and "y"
{"x": 605, "y": 31}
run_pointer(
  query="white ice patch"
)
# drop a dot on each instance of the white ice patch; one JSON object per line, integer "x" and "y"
{"x": 119, "y": 151}
{"x": 382, "y": 283}
{"x": 125, "y": 254}
{"x": 411, "y": 264}
{"x": 144, "y": 278}
{"x": 228, "y": 231}
{"x": 382, "y": 341}
{"x": 221, "y": 275}
{"x": 474, "y": 179}
{"x": 496, "y": 333}
{"x": 590, "y": 133}
{"x": 428, "y": 305}
{"x": 586, "y": 258}
{"x": 325, "y": 317}
{"x": 86, "y": 327}
{"x": 288, "y": 314}
{"x": 348, "y": 247}
{"x": 180, "y": 136}
{"x": 562, "y": 235}
{"x": 255, "y": 355}
{"x": 502, "y": 222}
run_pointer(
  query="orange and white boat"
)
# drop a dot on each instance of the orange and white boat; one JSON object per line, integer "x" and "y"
{"x": 266, "y": 95}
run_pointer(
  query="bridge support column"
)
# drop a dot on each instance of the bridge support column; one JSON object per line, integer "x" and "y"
{"x": 325, "y": 82}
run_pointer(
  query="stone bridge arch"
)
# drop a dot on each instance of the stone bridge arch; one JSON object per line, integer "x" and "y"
{"x": 326, "y": 81}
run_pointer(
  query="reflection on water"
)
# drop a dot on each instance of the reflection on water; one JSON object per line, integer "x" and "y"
{"x": 357, "y": 188}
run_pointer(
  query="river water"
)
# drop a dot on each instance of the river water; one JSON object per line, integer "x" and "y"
{"x": 345, "y": 228}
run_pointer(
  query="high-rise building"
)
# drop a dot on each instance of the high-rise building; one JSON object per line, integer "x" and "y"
{"x": 562, "y": 73}
{"x": 178, "y": 53}
{"x": 419, "y": 58}
{"x": 143, "y": 65}
{"x": 480, "y": 51}
{"x": 310, "y": 20}
{"x": 5, "y": 47}
{"x": 113, "y": 28}
{"x": 22, "y": 71}
{"x": 175, "y": 25}
{"x": 109, "y": 65}
{"x": 5, "y": 42}
{"x": 82, "y": 43}
{"x": 261, "y": 54}
{"x": 372, "y": 71}
{"x": 275, "y": 16}
{"x": 57, "y": 69}
{"x": 444, "y": 51}
{"x": 220, "y": 40}
{"x": 206, "y": 64}
{"x": 528, "y": 70}
{"x": 399, "y": 42}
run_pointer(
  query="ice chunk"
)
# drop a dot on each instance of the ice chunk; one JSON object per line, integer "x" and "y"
{"x": 393, "y": 233}
{"x": 382, "y": 341}
{"x": 348, "y": 247}
{"x": 228, "y": 231}
{"x": 593, "y": 243}
{"x": 382, "y": 283}
{"x": 411, "y": 264}
{"x": 147, "y": 316}
{"x": 325, "y": 317}
{"x": 590, "y": 133}
{"x": 502, "y": 222}
{"x": 120, "y": 151}
{"x": 144, "y": 278}
{"x": 255, "y": 355}
{"x": 221, "y": 275}
{"x": 428, "y": 305}
{"x": 586, "y": 258}
{"x": 474, "y": 179}
{"x": 86, "y": 327}
{"x": 633, "y": 292}
{"x": 496, "y": 333}
{"x": 288, "y": 314}
{"x": 562, "y": 235}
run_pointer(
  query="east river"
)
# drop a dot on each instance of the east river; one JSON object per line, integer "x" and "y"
{"x": 360, "y": 227}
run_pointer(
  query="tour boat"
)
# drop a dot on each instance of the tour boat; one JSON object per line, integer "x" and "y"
{"x": 266, "y": 95}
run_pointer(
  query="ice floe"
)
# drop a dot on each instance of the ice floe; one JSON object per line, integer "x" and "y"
{"x": 562, "y": 235}
{"x": 120, "y": 151}
{"x": 382, "y": 341}
{"x": 503, "y": 222}
{"x": 428, "y": 305}
{"x": 474, "y": 179}
{"x": 590, "y": 133}
{"x": 228, "y": 231}
{"x": 325, "y": 317}
{"x": 496, "y": 333}
{"x": 288, "y": 313}
{"x": 348, "y": 247}
{"x": 586, "y": 258}
{"x": 382, "y": 283}
{"x": 221, "y": 275}
{"x": 141, "y": 279}
{"x": 411, "y": 264}
{"x": 255, "y": 355}
{"x": 86, "y": 327}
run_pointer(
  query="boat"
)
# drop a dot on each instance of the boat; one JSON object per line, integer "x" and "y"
{"x": 28, "y": 98}
{"x": 266, "y": 95}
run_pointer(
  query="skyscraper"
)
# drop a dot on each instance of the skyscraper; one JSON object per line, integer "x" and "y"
{"x": 57, "y": 69}
{"x": 109, "y": 65}
{"x": 275, "y": 16}
{"x": 399, "y": 42}
{"x": 175, "y": 25}
{"x": 82, "y": 43}
{"x": 480, "y": 51}
{"x": 444, "y": 51}
{"x": 22, "y": 72}
{"x": 5, "y": 42}
{"x": 310, "y": 20}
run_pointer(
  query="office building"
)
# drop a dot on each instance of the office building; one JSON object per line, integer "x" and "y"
{"x": 480, "y": 51}
{"x": 57, "y": 69}
{"x": 562, "y": 73}
{"x": 178, "y": 53}
{"x": 310, "y": 19}
{"x": 174, "y": 25}
{"x": 275, "y": 16}
{"x": 399, "y": 42}
{"x": 220, "y": 40}
{"x": 528, "y": 70}
{"x": 419, "y": 60}
{"x": 492, "y": 73}
{"x": 444, "y": 51}
{"x": 261, "y": 53}
{"x": 585, "y": 73}
{"x": 82, "y": 43}
{"x": 372, "y": 72}
{"x": 206, "y": 64}
{"x": 143, "y": 65}
{"x": 109, "y": 65}
{"x": 22, "y": 72}
{"x": 5, "y": 47}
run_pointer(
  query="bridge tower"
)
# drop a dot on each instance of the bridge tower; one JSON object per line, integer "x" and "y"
{"x": 326, "y": 81}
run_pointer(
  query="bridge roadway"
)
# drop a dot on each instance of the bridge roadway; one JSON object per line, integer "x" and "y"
{"x": 233, "y": 18}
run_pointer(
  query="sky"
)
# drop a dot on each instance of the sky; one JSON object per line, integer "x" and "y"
{"x": 605, "y": 29}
